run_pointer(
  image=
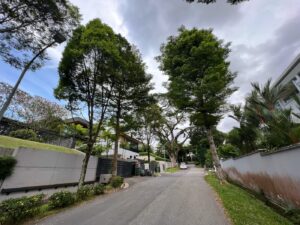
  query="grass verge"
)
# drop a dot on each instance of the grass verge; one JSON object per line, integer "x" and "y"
{"x": 172, "y": 169}
{"x": 10, "y": 142}
{"x": 242, "y": 207}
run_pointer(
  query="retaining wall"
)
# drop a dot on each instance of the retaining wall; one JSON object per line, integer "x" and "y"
{"x": 276, "y": 174}
{"x": 38, "y": 169}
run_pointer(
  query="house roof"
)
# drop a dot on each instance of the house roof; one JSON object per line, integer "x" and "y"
{"x": 126, "y": 136}
{"x": 292, "y": 65}
{"x": 78, "y": 120}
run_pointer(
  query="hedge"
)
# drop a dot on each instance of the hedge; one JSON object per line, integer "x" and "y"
{"x": 7, "y": 164}
{"x": 14, "y": 210}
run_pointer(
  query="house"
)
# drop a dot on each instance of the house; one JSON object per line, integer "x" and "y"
{"x": 77, "y": 120}
{"x": 128, "y": 147}
{"x": 290, "y": 76}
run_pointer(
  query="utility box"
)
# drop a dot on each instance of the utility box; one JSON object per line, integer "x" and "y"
{"x": 105, "y": 178}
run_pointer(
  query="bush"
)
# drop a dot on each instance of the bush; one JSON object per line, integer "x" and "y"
{"x": 84, "y": 192}
{"x": 98, "y": 189}
{"x": 7, "y": 164}
{"x": 61, "y": 199}
{"x": 26, "y": 134}
{"x": 116, "y": 181}
{"x": 13, "y": 210}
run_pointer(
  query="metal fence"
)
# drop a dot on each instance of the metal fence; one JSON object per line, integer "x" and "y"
{"x": 125, "y": 168}
{"x": 51, "y": 137}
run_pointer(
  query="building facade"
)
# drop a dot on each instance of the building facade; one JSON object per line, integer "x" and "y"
{"x": 291, "y": 77}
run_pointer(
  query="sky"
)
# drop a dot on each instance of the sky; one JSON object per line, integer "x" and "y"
{"x": 264, "y": 37}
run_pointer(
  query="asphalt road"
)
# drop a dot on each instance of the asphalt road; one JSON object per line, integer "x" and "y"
{"x": 182, "y": 198}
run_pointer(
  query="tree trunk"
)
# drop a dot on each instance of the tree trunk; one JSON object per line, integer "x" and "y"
{"x": 148, "y": 151}
{"x": 84, "y": 167}
{"x": 215, "y": 157}
{"x": 116, "y": 148}
{"x": 173, "y": 159}
{"x": 15, "y": 88}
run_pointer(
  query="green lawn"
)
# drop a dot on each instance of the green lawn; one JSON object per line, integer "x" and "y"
{"x": 172, "y": 169}
{"x": 242, "y": 207}
{"x": 10, "y": 142}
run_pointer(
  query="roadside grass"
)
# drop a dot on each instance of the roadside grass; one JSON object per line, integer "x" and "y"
{"x": 242, "y": 207}
{"x": 10, "y": 142}
{"x": 172, "y": 169}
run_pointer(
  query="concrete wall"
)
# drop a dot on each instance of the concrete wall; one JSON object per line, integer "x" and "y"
{"x": 164, "y": 165}
{"x": 45, "y": 168}
{"x": 276, "y": 175}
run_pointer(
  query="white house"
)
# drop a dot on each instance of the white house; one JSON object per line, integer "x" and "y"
{"x": 290, "y": 76}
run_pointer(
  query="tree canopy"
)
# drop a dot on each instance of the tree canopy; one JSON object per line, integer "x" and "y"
{"x": 87, "y": 73}
{"x": 199, "y": 78}
{"x": 27, "y": 26}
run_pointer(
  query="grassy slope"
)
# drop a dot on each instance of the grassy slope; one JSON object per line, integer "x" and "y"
{"x": 172, "y": 169}
{"x": 243, "y": 208}
{"x": 10, "y": 142}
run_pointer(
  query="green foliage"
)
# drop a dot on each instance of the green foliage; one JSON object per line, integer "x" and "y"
{"x": 84, "y": 192}
{"x": 227, "y": 151}
{"x": 98, "y": 189}
{"x": 293, "y": 215}
{"x": 242, "y": 207}
{"x": 26, "y": 134}
{"x": 23, "y": 19}
{"x": 15, "y": 210}
{"x": 199, "y": 74}
{"x": 262, "y": 123}
{"x": 208, "y": 159}
{"x": 61, "y": 199}
{"x": 125, "y": 145}
{"x": 7, "y": 164}
{"x": 116, "y": 181}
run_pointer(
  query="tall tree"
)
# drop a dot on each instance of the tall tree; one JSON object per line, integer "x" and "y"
{"x": 172, "y": 132}
{"x": 131, "y": 89}
{"x": 28, "y": 29}
{"x": 145, "y": 123}
{"x": 199, "y": 79}
{"x": 87, "y": 77}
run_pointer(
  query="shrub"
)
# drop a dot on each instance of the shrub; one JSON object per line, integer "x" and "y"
{"x": 116, "y": 181}
{"x": 61, "y": 199}
{"x": 26, "y": 134}
{"x": 13, "y": 210}
{"x": 84, "y": 192}
{"x": 98, "y": 189}
{"x": 7, "y": 164}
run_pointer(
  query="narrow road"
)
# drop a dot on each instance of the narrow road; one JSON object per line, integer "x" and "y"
{"x": 183, "y": 198}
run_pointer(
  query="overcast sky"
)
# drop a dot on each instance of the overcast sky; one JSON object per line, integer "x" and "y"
{"x": 264, "y": 36}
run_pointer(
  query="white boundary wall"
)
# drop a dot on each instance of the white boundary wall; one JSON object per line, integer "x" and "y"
{"x": 276, "y": 174}
{"x": 45, "y": 168}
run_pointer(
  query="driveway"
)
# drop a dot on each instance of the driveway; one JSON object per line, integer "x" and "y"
{"x": 181, "y": 198}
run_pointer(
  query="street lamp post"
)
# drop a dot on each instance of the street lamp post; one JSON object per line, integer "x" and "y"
{"x": 58, "y": 38}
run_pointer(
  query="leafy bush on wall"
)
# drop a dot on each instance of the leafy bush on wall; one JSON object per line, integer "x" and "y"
{"x": 7, "y": 164}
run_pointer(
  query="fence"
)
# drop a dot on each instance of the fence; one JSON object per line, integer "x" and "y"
{"x": 48, "y": 136}
{"x": 125, "y": 168}
{"x": 275, "y": 175}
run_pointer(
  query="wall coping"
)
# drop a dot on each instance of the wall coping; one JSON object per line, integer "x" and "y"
{"x": 264, "y": 152}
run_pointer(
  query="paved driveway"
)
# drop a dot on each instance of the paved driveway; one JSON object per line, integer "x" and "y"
{"x": 182, "y": 198}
